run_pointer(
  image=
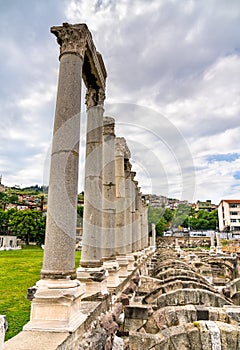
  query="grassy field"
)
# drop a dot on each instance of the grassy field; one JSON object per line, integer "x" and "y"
{"x": 19, "y": 270}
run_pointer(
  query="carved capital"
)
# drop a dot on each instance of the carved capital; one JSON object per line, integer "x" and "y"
{"x": 133, "y": 174}
{"x": 120, "y": 146}
{"x": 94, "y": 97}
{"x": 72, "y": 38}
{"x": 101, "y": 96}
{"x": 108, "y": 126}
{"x": 91, "y": 97}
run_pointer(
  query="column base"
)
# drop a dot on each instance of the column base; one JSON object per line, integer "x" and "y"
{"x": 113, "y": 280}
{"x": 212, "y": 250}
{"x": 131, "y": 261}
{"x": 219, "y": 249}
{"x": 56, "y": 306}
{"x": 95, "y": 279}
{"x": 123, "y": 264}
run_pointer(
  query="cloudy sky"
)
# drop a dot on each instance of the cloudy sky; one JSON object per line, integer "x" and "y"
{"x": 173, "y": 88}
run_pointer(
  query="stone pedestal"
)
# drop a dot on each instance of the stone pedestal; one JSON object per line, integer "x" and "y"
{"x": 131, "y": 262}
{"x": 56, "y": 306}
{"x": 95, "y": 280}
{"x": 112, "y": 268}
{"x": 123, "y": 264}
{"x": 2, "y": 330}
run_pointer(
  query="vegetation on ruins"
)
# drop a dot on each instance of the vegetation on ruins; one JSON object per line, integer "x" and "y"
{"x": 182, "y": 217}
{"x": 19, "y": 270}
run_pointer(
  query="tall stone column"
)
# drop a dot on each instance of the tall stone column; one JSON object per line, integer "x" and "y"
{"x": 57, "y": 300}
{"x": 109, "y": 189}
{"x": 212, "y": 247}
{"x": 91, "y": 270}
{"x": 146, "y": 233}
{"x": 153, "y": 238}
{"x": 120, "y": 219}
{"x": 128, "y": 212}
{"x": 219, "y": 246}
{"x": 109, "y": 204}
{"x": 92, "y": 217}
{"x": 135, "y": 214}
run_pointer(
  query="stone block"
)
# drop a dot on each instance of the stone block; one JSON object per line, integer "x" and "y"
{"x": 179, "y": 338}
{"x": 136, "y": 312}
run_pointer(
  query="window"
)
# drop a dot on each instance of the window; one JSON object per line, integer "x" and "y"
{"x": 233, "y": 220}
{"x": 234, "y": 205}
{"x": 233, "y": 213}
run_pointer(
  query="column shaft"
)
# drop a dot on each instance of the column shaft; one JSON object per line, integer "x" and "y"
{"x": 59, "y": 253}
{"x": 109, "y": 189}
{"x": 92, "y": 217}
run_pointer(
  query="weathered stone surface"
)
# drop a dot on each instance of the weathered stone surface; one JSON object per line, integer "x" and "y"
{"x": 179, "y": 338}
{"x": 229, "y": 335}
{"x": 136, "y": 312}
{"x": 109, "y": 324}
{"x": 123, "y": 299}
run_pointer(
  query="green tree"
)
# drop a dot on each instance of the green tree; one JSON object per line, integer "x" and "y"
{"x": 168, "y": 214}
{"x": 28, "y": 225}
{"x": 161, "y": 226}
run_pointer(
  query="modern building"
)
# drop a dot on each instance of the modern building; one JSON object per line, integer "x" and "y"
{"x": 207, "y": 206}
{"x": 229, "y": 215}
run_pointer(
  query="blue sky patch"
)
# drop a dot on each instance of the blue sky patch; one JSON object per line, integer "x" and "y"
{"x": 228, "y": 157}
{"x": 236, "y": 175}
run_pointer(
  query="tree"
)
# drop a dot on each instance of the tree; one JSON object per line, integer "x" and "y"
{"x": 168, "y": 214}
{"x": 28, "y": 225}
{"x": 161, "y": 226}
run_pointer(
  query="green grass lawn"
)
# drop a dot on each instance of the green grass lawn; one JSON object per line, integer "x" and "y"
{"x": 19, "y": 270}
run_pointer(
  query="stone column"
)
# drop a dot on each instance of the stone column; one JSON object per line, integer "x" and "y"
{"x": 92, "y": 217}
{"x": 109, "y": 204}
{"x": 219, "y": 246}
{"x": 91, "y": 270}
{"x": 145, "y": 236}
{"x": 212, "y": 247}
{"x": 128, "y": 211}
{"x": 120, "y": 220}
{"x": 57, "y": 300}
{"x": 109, "y": 189}
{"x": 177, "y": 246}
{"x": 135, "y": 216}
{"x": 153, "y": 238}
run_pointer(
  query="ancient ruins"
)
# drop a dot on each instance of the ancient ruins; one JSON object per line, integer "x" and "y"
{"x": 130, "y": 290}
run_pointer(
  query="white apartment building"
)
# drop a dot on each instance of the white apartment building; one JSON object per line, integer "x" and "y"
{"x": 229, "y": 214}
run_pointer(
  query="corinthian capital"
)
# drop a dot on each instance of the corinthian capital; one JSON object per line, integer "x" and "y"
{"x": 72, "y": 38}
{"x": 91, "y": 97}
